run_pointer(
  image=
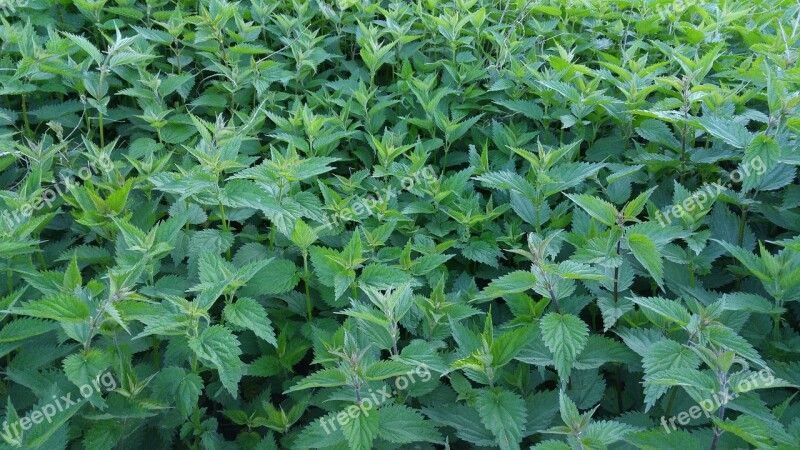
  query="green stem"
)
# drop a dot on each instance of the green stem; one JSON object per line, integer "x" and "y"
{"x": 616, "y": 275}
{"x": 102, "y": 135}
{"x": 721, "y": 414}
{"x": 444, "y": 161}
{"x": 306, "y": 276}
{"x": 224, "y": 228}
{"x": 28, "y": 131}
{"x": 671, "y": 402}
{"x": 156, "y": 344}
{"x": 740, "y": 238}
{"x": 272, "y": 237}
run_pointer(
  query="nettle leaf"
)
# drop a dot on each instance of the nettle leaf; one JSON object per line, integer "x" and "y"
{"x": 382, "y": 370}
{"x": 598, "y": 208}
{"x": 63, "y": 308}
{"x": 607, "y": 432}
{"x": 483, "y": 252}
{"x": 727, "y": 338}
{"x": 322, "y": 378}
{"x": 658, "y": 131}
{"x": 668, "y": 309}
{"x": 611, "y": 311}
{"x": 249, "y": 314}
{"x": 83, "y": 369}
{"x": 732, "y": 132}
{"x": 506, "y": 346}
{"x": 400, "y": 424}
{"x": 661, "y": 356}
{"x": 508, "y": 180}
{"x": 86, "y": 46}
{"x": 566, "y": 336}
{"x": 760, "y": 157}
{"x": 362, "y": 430}
{"x": 519, "y": 281}
{"x": 175, "y": 384}
{"x": 219, "y": 347}
{"x": 380, "y": 276}
{"x": 646, "y": 252}
{"x": 504, "y": 414}
{"x": 24, "y": 328}
{"x": 276, "y": 277}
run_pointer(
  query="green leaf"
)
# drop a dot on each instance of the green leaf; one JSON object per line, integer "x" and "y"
{"x": 668, "y": 309}
{"x": 508, "y": 180}
{"x": 249, "y": 314}
{"x": 380, "y": 276}
{"x": 277, "y": 277}
{"x": 569, "y": 412}
{"x": 701, "y": 381}
{"x": 727, "y": 338}
{"x": 177, "y": 385}
{"x": 759, "y": 157}
{"x": 600, "y": 209}
{"x": 658, "y": 131}
{"x": 72, "y": 278}
{"x": 86, "y": 46}
{"x": 322, "y": 378}
{"x": 382, "y": 370}
{"x": 508, "y": 345}
{"x": 361, "y": 430}
{"x": 504, "y": 414}
{"x": 635, "y": 206}
{"x": 566, "y": 336}
{"x": 664, "y": 355}
{"x": 25, "y": 328}
{"x": 518, "y": 281}
{"x": 646, "y": 252}
{"x": 83, "y": 369}
{"x": 606, "y": 432}
{"x": 734, "y": 133}
{"x": 400, "y": 424}
{"x": 303, "y": 236}
{"x": 218, "y": 347}
{"x": 63, "y": 308}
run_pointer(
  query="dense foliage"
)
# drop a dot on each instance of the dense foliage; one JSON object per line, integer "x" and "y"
{"x": 556, "y": 224}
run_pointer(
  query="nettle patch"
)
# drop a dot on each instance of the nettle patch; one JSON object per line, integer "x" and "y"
{"x": 346, "y": 224}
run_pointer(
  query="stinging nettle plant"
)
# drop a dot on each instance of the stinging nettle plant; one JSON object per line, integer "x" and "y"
{"x": 345, "y": 224}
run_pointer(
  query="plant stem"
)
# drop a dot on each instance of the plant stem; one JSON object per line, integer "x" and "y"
{"x": 671, "y": 401}
{"x": 102, "y": 135}
{"x": 272, "y": 237}
{"x": 28, "y": 131}
{"x": 156, "y": 344}
{"x": 721, "y": 414}
{"x": 95, "y": 321}
{"x": 306, "y": 276}
{"x": 740, "y": 238}
{"x": 616, "y": 276}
